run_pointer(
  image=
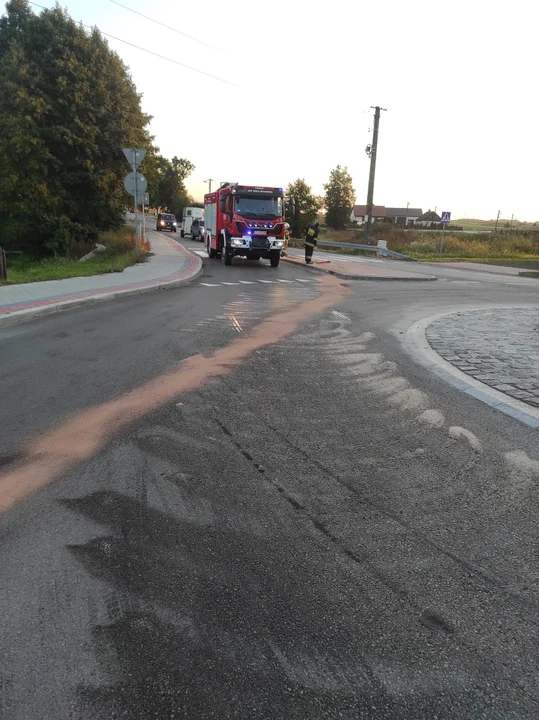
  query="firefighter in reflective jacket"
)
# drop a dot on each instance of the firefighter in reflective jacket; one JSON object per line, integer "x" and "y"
{"x": 311, "y": 236}
{"x": 286, "y": 238}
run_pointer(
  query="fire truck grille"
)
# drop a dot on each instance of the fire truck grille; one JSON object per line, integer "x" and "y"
{"x": 260, "y": 242}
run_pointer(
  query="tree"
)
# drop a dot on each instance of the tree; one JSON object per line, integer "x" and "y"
{"x": 307, "y": 207}
{"x": 172, "y": 192}
{"x": 67, "y": 107}
{"x": 340, "y": 197}
{"x": 166, "y": 181}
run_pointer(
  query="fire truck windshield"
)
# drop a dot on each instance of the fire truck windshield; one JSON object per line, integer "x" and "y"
{"x": 258, "y": 207}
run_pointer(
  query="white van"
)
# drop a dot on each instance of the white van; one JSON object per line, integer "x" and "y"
{"x": 189, "y": 214}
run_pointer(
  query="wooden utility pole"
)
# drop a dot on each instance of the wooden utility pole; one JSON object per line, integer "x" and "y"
{"x": 371, "y": 152}
{"x": 497, "y": 218}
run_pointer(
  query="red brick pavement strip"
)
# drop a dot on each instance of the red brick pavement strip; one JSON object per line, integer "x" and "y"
{"x": 189, "y": 271}
{"x": 347, "y": 271}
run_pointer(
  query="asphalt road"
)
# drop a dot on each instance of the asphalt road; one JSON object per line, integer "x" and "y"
{"x": 321, "y": 530}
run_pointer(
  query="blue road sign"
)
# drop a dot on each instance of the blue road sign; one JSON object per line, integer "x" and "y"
{"x": 446, "y": 218}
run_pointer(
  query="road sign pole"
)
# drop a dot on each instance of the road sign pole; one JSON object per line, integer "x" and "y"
{"x": 446, "y": 219}
{"x": 134, "y": 157}
{"x": 143, "y": 222}
{"x": 136, "y": 215}
{"x": 442, "y": 242}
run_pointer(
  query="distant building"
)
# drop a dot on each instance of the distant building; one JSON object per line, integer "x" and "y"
{"x": 404, "y": 216}
{"x": 358, "y": 213}
{"x": 428, "y": 219}
{"x": 400, "y": 216}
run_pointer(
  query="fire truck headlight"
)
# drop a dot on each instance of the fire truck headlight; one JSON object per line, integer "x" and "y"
{"x": 237, "y": 241}
{"x": 279, "y": 244}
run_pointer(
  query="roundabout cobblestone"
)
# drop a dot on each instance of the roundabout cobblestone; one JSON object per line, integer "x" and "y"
{"x": 498, "y": 347}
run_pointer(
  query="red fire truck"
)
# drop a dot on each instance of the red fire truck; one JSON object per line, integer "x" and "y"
{"x": 245, "y": 220}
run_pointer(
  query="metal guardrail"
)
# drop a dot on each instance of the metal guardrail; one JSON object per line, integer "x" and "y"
{"x": 370, "y": 248}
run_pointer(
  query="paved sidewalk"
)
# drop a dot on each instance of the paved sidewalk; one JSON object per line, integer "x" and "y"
{"x": 171, "y": 264}
{"x": 483, "y": 267}
{"x": 498, "y": 347}
{"x": 357, "y": 270}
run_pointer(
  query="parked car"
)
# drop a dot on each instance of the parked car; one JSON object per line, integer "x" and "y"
{"x": 166, "y": 221}
{"x": 197, "y": 229}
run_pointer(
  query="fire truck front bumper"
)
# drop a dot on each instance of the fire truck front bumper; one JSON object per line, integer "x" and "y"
{"x": 256, "y": 244}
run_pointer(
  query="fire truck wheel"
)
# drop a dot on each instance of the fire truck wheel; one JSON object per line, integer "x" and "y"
{"x": 275, "y": 256}
{"x": 211, "y": 251}
{"x": 227, "y": 256}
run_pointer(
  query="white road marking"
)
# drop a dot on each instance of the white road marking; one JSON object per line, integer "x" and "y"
{"x": 252, "y": 282}
{"x": 247, "y": 315}
{"x": 337, "y": 257}
{"x": 235, "y": 324}
{"x": 202, "y": 253}
{"x": 465, "y": 282}
{"x": 341, "y": 316}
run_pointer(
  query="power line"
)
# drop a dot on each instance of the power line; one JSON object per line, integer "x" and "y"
{"x": 158, "y": 22}
{"x": 150, "y": 52}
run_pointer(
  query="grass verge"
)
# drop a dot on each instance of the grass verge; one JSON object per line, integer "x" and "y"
{"x": 120, "y": 254}
{"x": 510, "y": 249}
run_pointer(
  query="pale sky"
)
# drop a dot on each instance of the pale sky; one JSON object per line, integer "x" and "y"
{"x": 458, "y": 80}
